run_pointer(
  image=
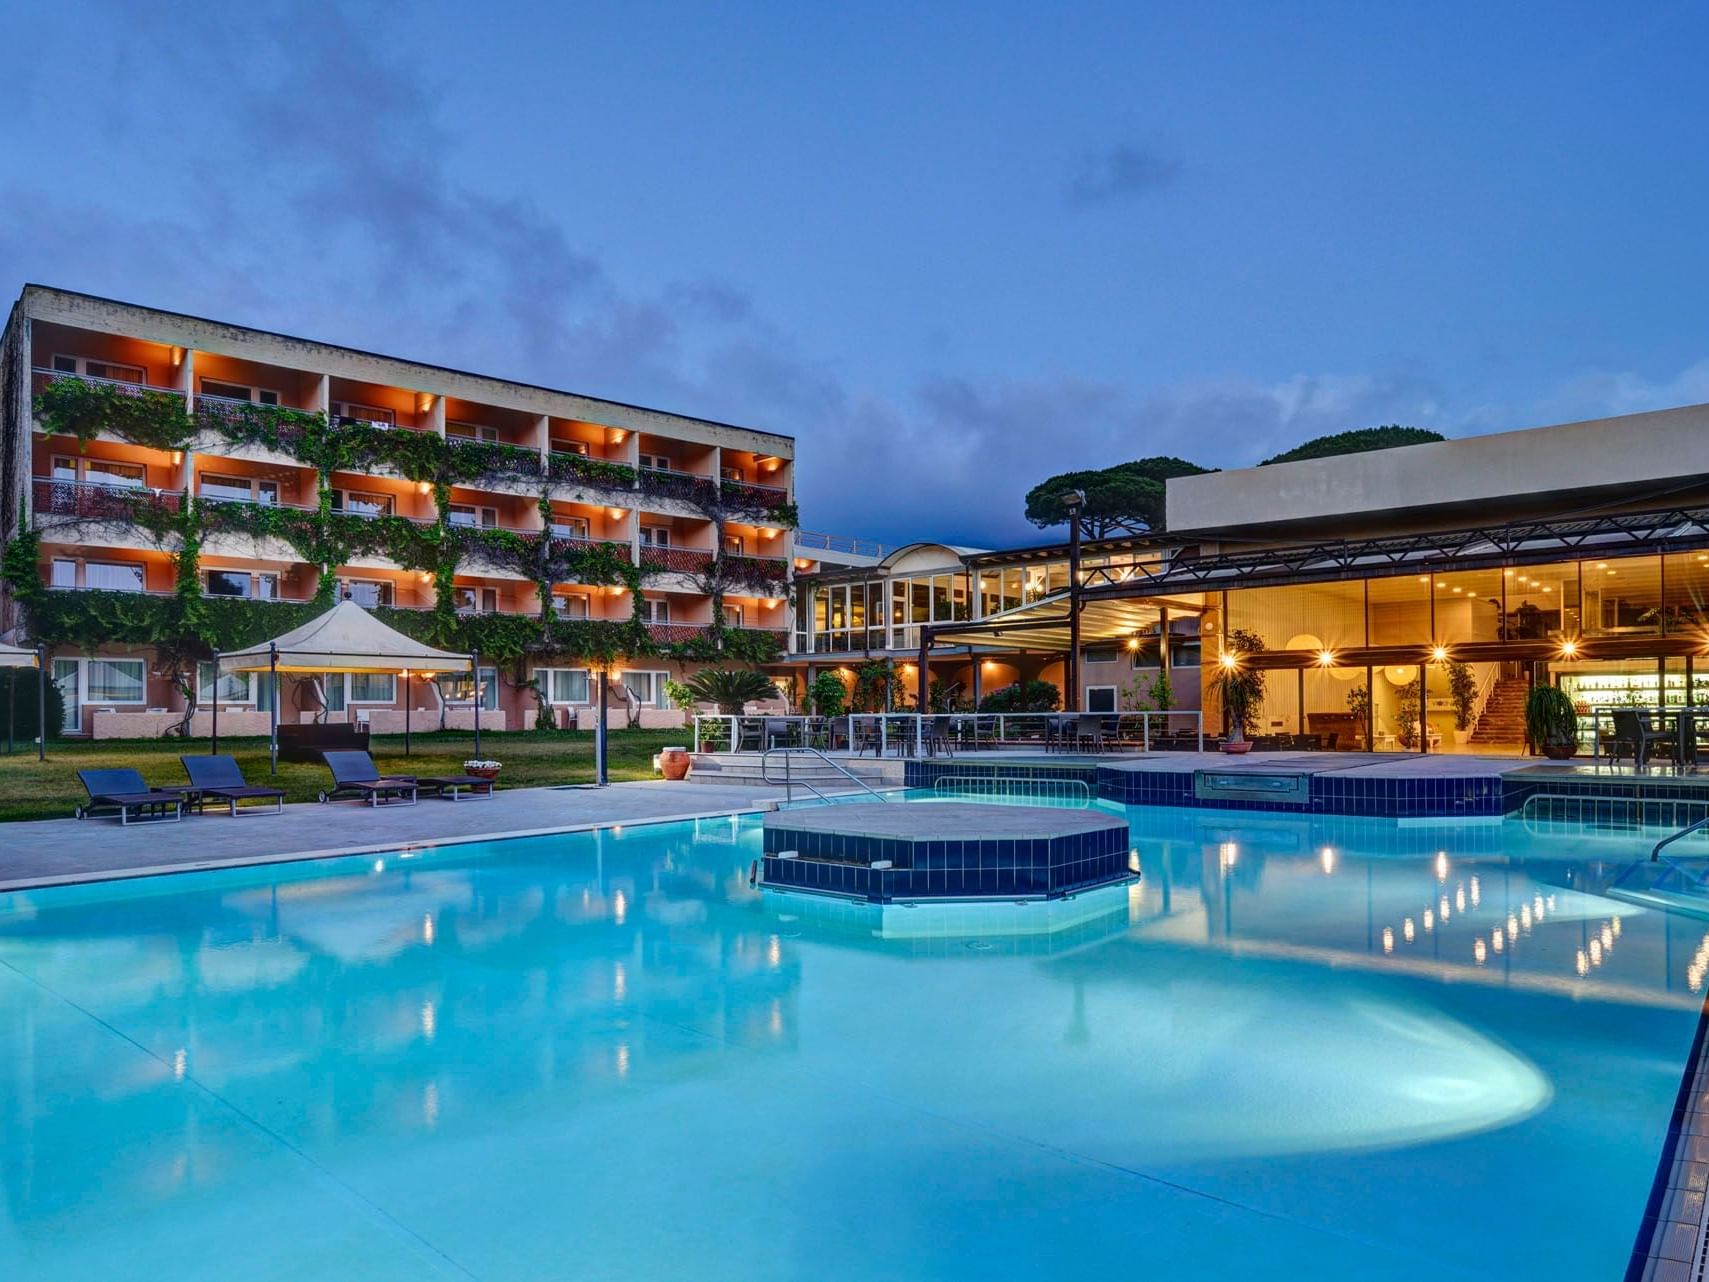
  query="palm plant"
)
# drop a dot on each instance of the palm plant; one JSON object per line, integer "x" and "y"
{"x": 730, "y": 688}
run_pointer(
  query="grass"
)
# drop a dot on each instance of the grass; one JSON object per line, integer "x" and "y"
{"x": 31, "y": 789}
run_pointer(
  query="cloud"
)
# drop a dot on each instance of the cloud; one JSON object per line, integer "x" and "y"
{"x": 1125, "y": 172}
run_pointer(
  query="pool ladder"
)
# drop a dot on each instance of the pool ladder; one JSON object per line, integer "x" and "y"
{"x": 1656, "y": 851}
{"x": 788, "y": 754}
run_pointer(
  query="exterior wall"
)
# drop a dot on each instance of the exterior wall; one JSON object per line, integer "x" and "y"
{"x": 1634, "y": 449}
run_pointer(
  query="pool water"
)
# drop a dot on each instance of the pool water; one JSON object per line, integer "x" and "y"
{"x": 1294, "y": 1049}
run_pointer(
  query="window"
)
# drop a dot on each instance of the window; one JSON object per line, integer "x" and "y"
{"x": 100, "y": 471}
{"x": 655, "y": 536}
{"x": 367, "y": 593}
{"x": 1101, "y": 653}
{"x": 477, "y": 600}
{"x": 116, "y": 681}
{"x": 654, "y": 610}
{"x": 570, "y": 447}
{"x": 734, "y": 616}
{"x": 361, "y": 503}
{"x": 564, "y": 685}
{"x": 238, "y": 392}
{"x": 1100, "y": 698}
{"x": 331, "y": 687}
{"x": 454, "y": 687}
{"x": 471, "y": 431}
{"x": 373, "y": 687}
{"x": 467, "y": 514}
{"x": 114, "y": 576}
{"x": 238, "y": 489}
{"x": 656, "y": 462}
{"x": 732, "y": 474}
{"x": 113, "y": 371}
{"x": 570, "y": 527}
{"x": 570, "y": 606}
{"x": 375, "y": 414}
{"x": 64, "y": 573}
{"x": 227, "y": 583}
{"x": 735, "y": 545}
{"x": 648, "y": 687}
{"x": 266, "y": 587}
{"x": 235, "y": 687}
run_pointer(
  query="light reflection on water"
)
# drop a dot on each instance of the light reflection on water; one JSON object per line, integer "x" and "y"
{"x": 482, "y": 1053}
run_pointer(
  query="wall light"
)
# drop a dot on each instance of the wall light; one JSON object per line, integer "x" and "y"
{"x": 423, "y": 487}
{"x": 1133, "y": 643}
{"x": 1326, "y": 658}
{"x": 1229, "y": 660}
{"x": 1438, "y": 653}
{"x": 1568, "y": 649}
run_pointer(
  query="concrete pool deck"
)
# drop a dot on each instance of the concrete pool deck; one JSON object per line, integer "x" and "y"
{"x": 64, "y": 851}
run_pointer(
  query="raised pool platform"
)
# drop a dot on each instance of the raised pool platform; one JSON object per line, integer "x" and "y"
{"x": 886, "y": 851}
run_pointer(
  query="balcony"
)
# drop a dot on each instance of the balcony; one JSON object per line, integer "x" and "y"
{"x": 517, "y": 460}
{"x": 810, "y": 539}
{"x": 92, "y": 501}
{"x": 770, "y": 570}
{"x": 41, "y": 379}
{"x": 574, "y": 543}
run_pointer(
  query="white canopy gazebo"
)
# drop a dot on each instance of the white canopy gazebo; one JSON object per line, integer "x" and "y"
{"x": 344, "y": 639}
{"x": 16, "y": 656}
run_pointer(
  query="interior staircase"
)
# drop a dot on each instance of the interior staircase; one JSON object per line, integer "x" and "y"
{"x": 1503, "y": 720}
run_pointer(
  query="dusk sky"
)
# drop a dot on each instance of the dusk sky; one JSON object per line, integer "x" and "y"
{"x": 951, "y": 248}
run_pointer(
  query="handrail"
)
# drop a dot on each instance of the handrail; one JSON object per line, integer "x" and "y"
{"x": 1686, "y": 831}
{"x": 788, "y": 781}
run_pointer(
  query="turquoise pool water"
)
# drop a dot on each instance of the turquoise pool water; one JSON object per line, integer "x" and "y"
{"x": 1293, "y": 1050}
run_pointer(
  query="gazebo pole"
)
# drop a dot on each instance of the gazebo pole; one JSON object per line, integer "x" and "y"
{"x": 214, "y": 734}
{"x": 273, "y": 709}
{"x": 41, "y": 703}
{"x": 409, "y": 698}
{"x": 475, "y": 664}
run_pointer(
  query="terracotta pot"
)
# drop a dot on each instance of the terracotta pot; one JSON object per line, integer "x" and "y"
{"x": 483, "y": 772}
{"x": 1560, "y": 751}
{"x": 673, "y": 763}
{"x": 1245, "y": 745}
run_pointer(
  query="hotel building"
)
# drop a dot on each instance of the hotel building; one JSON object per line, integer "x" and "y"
{"x": 105, "y": 497}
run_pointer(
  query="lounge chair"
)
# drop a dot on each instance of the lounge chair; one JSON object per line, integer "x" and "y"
{"x": 220, "y": 778}
{"x": 354, "y": 775}
{"x": 451, "y": 787}
{"x": 124, "y": 790}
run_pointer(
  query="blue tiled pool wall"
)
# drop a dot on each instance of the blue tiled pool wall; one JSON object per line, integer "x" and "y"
{"x": 839, "y": 863}
{"x": 1661, "y": 800}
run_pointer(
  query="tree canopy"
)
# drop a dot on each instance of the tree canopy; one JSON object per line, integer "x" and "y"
{"x": 1358, "y": 441}
{"x": 1124, "y": 499}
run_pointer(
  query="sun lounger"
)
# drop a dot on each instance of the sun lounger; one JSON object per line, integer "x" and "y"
{"x": 123, "y": 790}
{"x": 220, "y": 778}
{"x": 354, "y": 775}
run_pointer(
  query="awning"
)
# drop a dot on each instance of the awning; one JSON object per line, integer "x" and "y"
{"x": 15, "y": 656}
{"x": 1043, "y": 624}
{"x": 344, "y": 639}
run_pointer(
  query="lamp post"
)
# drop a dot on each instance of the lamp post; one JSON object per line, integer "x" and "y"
{"x": 600, "y": 775}
{"x": 1072, "y": 503}
{"x": 475, "y": 663}
{"x": 214, "y": 723}
{"x": 41, "y": 703}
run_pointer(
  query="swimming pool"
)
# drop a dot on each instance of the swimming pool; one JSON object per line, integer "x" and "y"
{"x": 1297, "y": 1047}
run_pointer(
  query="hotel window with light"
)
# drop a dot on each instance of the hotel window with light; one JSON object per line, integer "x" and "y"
{"x": 110, "y": 371}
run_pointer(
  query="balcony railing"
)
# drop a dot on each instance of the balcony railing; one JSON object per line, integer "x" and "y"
{"x": 677, "y": 560}
{"x": 767, "y": 569}
{"x": 570, "y": 543}
{"x": 41, "y": 379}
{"x": 766, "y": 495}
{"x": 667, "y": 483}
{"x": 839, "y": 543}
{"x": 92, "y": 501}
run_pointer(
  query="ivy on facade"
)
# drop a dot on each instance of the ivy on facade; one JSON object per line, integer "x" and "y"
{"x": 188, "y": 625}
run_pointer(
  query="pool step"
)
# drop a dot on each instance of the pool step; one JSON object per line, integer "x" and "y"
{"x": 747, "y": 769}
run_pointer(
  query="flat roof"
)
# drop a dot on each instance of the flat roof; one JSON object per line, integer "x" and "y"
{"x": 383, "y": 356}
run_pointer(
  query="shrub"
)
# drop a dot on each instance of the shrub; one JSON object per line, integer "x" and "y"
{"x": 1029, "y": 696}
{"x": 828, "y": 695}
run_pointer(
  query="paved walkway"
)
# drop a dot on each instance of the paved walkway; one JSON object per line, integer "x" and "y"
{"x": 56, "y": 851}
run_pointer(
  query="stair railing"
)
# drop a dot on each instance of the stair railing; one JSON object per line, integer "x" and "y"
{"x": 788, "y": 754}
{"x": 1486, "y": 687}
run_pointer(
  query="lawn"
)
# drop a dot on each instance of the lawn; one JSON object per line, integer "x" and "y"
{"x": 31, "y": 789}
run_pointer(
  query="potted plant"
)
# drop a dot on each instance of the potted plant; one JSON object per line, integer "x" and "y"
{"x": 482, "y": 769}
{"x": 1359, "y": 704}
{"x": 1240, "y": 687}
{"x": 1463, "y": 690}
{"x": 1551, "y": 723}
